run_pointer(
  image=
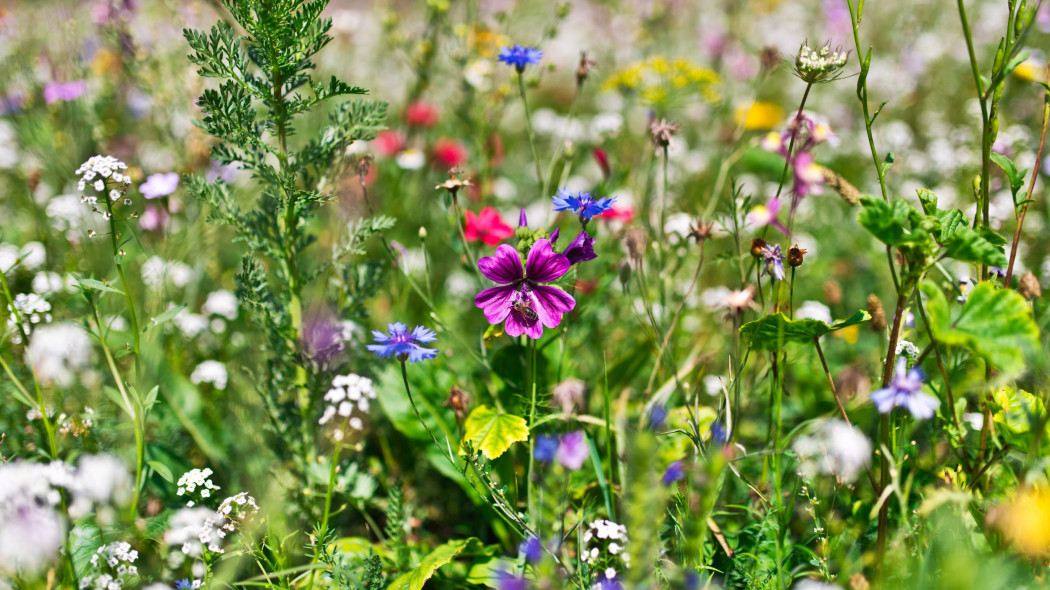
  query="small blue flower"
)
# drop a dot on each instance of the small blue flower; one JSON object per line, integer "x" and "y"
{"x": 532, "y": 549}
{"x": 546, "y": 447}
{"x": 906, "y": 390}
{"x": 657, "y": 417}
{"x": 675, "y": 472}
{"x": 403, "y": 344}
{"x": 508, "y": 581}
{"x": 183, "y": 583}
{"x": 719, "y": 436}
{"x": 520, "y": 56}
{"x": 582, "y": 204}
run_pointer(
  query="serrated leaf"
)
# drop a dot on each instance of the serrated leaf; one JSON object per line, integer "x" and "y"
{"x": 775, "y": 330}
{"x": 967, "y": 245}
{"x": 928, "y": 200}
{"x": 494, "y": 432}
{"x": 442, "y": 555}
{"x": 98, "y": 286}
{"x": 888, "y": 222}
{"x": 994, "y": 323}
{"x": 162, "y": 470}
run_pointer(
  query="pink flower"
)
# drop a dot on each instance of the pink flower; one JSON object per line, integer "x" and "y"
{"x": 520, "y": 299}
{"x": 421, "y": 114}
{"x": 389, "y": 142}
{"x": 448, "y": 153}
{"x": 153, "y": 218}
{"x": 625, "y": 214}
{"x": 573, "y": 450}
{"x": 763, "y": 215}
{"x": 159, "y": 185}
{"x": 486, "y": 226}
{"x": 55, "y": 91}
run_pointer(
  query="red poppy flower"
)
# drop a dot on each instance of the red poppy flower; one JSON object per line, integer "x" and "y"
{"x": 389, "y": 142}
{"x": 421, "y": 114}
{"x": 487, "y": 227}
{"x": 448, "y": 153}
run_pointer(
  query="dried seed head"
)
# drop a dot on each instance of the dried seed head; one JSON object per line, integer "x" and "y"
{"x": 700, "y": 231}
{"x": 587, "y": 64}
{"x": 363, "y": 165}
{"x": 661, "y": 131}
{"x": 832, "y": 292}
{"x": 795, "y": 256}
{"x": 878, "y": 314}
{"x": 841, "y": 186}
{"x": 1028, "y": 286}
{"x": 454, "y": 182}
{"x": 635, "y": 242}
{"x": 758, "y": 247}
{"x": 459, "y": 401}
{"x": 770, "y": 58}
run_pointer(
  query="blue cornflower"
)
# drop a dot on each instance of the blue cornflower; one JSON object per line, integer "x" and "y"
{"x": 582, "y": 204}
{"x": 657, "y": 417}
{"x": 546, "y": 447}
{"x": 520, "y": 56}
{"x": 532, "y": 549}
{"x": 675, "y": 471}
{"x": 183, "y": 583}
{"x": 906, "y": 390}
{"x": 403, "y": 344}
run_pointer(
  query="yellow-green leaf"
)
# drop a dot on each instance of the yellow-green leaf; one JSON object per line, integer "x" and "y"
{"x": 442, "y": 555}
{"x": 493, "y": 432}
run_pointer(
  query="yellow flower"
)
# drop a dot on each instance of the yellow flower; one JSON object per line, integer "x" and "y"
{"x": 105, "y": 61}
{"x": 849, "y": 334}
{"x": 1025, "y": 521}
{"x": 759, "y": 115}
{"x": 660, "y": 81}
{"x": 1029, "y": 72}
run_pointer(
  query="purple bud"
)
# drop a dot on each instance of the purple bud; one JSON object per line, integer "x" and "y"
{"x": 675, "y": 471}
{"x": 554, "y": 236}
{"x": 581, "y": 249}
{"x": 522, "y": 221}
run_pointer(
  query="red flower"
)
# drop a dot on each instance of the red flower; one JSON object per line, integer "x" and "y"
{"x": 389, "y": 142}
{"x": 421, "y": 114}
{"x": 448, "y": 153}
{"x": 487, "y": 227}
{"x": 624, "y": 214}
{"x": 602, "y": 158}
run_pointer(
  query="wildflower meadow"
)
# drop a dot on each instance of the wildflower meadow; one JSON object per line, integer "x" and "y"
{"x": 594, "y": 294}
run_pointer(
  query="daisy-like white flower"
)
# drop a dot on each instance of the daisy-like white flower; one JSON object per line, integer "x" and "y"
{"x": 906, "y": 390}
{"x": 403, "y": 344}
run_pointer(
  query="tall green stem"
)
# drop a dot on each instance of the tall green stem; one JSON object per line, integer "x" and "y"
{"x": 528, "y": 127}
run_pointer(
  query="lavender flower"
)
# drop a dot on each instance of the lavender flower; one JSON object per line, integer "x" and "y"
{"x": 159, "y": 185}
{"x": 573, "y": 450}
{"x": 520, "y": 299}
{"x": 65, "y": 91}
{"x": 675, "y": 472}
{"x": 580, "y": 249}
{"x": 520, "y": 56}
{"x": 532, "y": 549}
{"x": 508, "y": 581}
{"x": 906, "y": 390}
{"x": 403, "y": 344}
{"x": 582, "y": 204}
{"x": 774, "y": 261}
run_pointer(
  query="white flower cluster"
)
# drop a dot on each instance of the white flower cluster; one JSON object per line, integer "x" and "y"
{"x": 212, "y": 372}
{"x": 158, "y": 273}
{"x": 604, "y": 543}
{"x": 113, "y": 566}
{"x": 31, "y": 529}
{"x": 96, "y": 172}
{"x": 31, "y": 256}
{"x": 348, "y": 393}
{"x": 908, "y": 351}
{"x": 58, "y": 352}
{"x": 221, "y": 303}
{"x": 818, "y": 65}
{"x": 196, "y": 531}
{"x": 237, "y": 509}
{"x": 32, "y": 309}
{"x": 835, "y": 449}
{"x": 193, "y": 479}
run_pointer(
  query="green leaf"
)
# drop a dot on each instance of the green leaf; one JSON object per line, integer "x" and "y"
{"x": 888, "y": 222}
{"x": 164, "y": 317}
{"x": 928, "y": 200}
{"x": 162, "y": 470}
{"x": 996, "y": 324}
{"x": 493, "y": 432}
{"x": 442, "y": 555}
{"x": 1017, "y": 60}
{"x": 1016, "y": 411}
{"x": 775, "y": 330}
{"x": 968, "y": 245}
{"x": 1010, "y": 169}
{"x": 94, "y": 285}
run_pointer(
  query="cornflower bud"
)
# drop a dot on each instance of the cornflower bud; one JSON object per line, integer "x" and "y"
{"x": 795, "y": 255}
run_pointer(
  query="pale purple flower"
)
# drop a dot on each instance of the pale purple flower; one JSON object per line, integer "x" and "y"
{"x": 159, "y": 185}
{"x": 573, "y": 450}
{"x": 906, "y": 390}
{"x": 768, "y": 214}
{"x": 153, "y": 218}
{"x": 532, "y": 549}
{"x": 521, "y": 299}
{"x": 65, "y": 91}
{"x": 773, "y": 259}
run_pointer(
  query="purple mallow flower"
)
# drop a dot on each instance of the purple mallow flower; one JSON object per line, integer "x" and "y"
{"x": 573, "y": 450}
{"x": 403, "y": 344}
{"x": 520, "y": 299}
{"x": 580, "y": 249}
{"x": 582, "y": 204}
{"x": 508, "y": 581}
{"x": 159, "y": 185}
{"x": 520, "y": 56}
{"x": 56, "y": 91}
{"x": 906, "y": 390}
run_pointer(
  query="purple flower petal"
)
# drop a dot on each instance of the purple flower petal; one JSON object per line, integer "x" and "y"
{"x": 550, "y": 303}
{"x": 573, "y": 450}
{"x": 503, "y": 268}
{"x": 496, "y": 302}
{"x": 544, "y": 264}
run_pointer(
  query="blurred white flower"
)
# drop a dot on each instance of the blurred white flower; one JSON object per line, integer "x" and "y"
{"x": 212, "y": 372}
{"x": 813, "y": 310}
{"x": 221, "y": 303}
{"x": 57, "y": 352}
{"x": 836, "y": 449}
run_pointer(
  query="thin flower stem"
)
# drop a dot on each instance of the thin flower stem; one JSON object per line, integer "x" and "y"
{"x": 331, "y": 486}
{"x": 670, "y": 330}
{"x": 530, "y": 488}
{"x": 663, "y": 198}
{"x": 884, "y": 429}
{"x": 831, "y": 382}
{"x": 528, "y": 128}
{"x": 791, "y": 144}
{"x": 463, "y": 237}
{"x": 1031, "y": 183}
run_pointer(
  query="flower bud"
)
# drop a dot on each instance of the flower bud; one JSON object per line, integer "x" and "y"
{"x": 758, "y": 245}
{"x": 1028, "y": 286}
{"x": 422, "y": 233}
{"x": 878, "y": 315}
{"x": 795, "y": 255}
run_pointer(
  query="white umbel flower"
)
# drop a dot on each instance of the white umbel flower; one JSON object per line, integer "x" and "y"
{"x": 835, "y": 449}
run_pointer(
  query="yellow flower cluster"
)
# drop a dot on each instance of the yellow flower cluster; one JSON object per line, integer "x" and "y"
{"x": 660, "y": 81}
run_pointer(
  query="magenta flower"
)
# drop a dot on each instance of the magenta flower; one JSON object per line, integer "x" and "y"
{"x": 573, "y": 450}
{"x": 521, "y": 299}
{"x": 65, "y": 91}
